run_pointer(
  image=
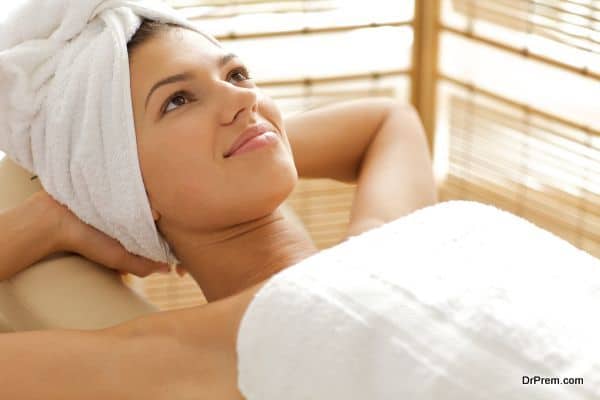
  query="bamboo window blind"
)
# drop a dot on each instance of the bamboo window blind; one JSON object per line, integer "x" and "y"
{"x": 518, "y": 111}
{"x": 304, "y": 55}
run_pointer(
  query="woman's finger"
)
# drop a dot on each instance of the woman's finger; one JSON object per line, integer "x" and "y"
{"x": 180, "y": 271}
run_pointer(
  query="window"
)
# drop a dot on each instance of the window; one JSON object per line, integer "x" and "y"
{"x": 517, "y": 113}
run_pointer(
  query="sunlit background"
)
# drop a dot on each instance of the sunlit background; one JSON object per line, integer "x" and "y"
{"x": 508, "y": 90}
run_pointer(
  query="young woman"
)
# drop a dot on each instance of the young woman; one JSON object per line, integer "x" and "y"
{"x": 220, "y": 213}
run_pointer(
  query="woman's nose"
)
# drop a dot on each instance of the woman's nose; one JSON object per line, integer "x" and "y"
{"x": 240, "y": 99}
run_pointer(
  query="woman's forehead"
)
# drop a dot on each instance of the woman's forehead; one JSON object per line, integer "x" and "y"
{"x": 170, "y": 53}
{"x": 175, "y": 43}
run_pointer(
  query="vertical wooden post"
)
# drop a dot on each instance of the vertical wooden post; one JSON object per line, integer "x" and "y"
{"x": 424, "y": 73}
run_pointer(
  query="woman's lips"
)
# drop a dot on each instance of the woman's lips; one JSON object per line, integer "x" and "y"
{"x": 256, "y": 142}
{"x": 250, "y": 132}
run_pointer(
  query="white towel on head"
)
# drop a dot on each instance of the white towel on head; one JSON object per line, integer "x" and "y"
{"x": 456, "y": 301}
{"x": 66, "y": 113}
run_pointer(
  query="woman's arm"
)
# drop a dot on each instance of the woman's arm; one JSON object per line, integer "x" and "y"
{"x": 378, "y": 143}
{"x": 27, "y": 235}
{"x": 180, "y": 354}
{"x": 40, "y": 226}
{"x": 151, "y": 358}
{"x": 330, "y": 141}
{"x": 396, "y": 174}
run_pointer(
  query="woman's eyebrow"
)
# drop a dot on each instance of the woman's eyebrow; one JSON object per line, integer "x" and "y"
{"x": 171, "y": 79}
{"x": 185, "y": 76}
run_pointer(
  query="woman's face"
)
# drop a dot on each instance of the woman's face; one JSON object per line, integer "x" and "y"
{"x": 185, "y": 127}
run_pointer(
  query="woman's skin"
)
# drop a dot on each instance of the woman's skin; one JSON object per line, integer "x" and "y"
{"x": 222, "y": 217}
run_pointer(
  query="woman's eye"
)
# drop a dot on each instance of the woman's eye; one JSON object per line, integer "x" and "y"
{"x": 179, "y": 98}
{"x": 176, "y": 99}
{"x": 244, "y": 71}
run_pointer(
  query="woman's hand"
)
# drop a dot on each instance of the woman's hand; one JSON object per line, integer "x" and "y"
{"x": 74, "y": 235}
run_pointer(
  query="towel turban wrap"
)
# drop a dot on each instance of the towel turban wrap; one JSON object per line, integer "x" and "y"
{"x": 66, "y": 112}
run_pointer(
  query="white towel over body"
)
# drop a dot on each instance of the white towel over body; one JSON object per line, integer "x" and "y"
{"x": 456, "y": 301}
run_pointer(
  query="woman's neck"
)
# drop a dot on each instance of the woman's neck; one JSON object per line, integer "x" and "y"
{"x": 244, "y": 255}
